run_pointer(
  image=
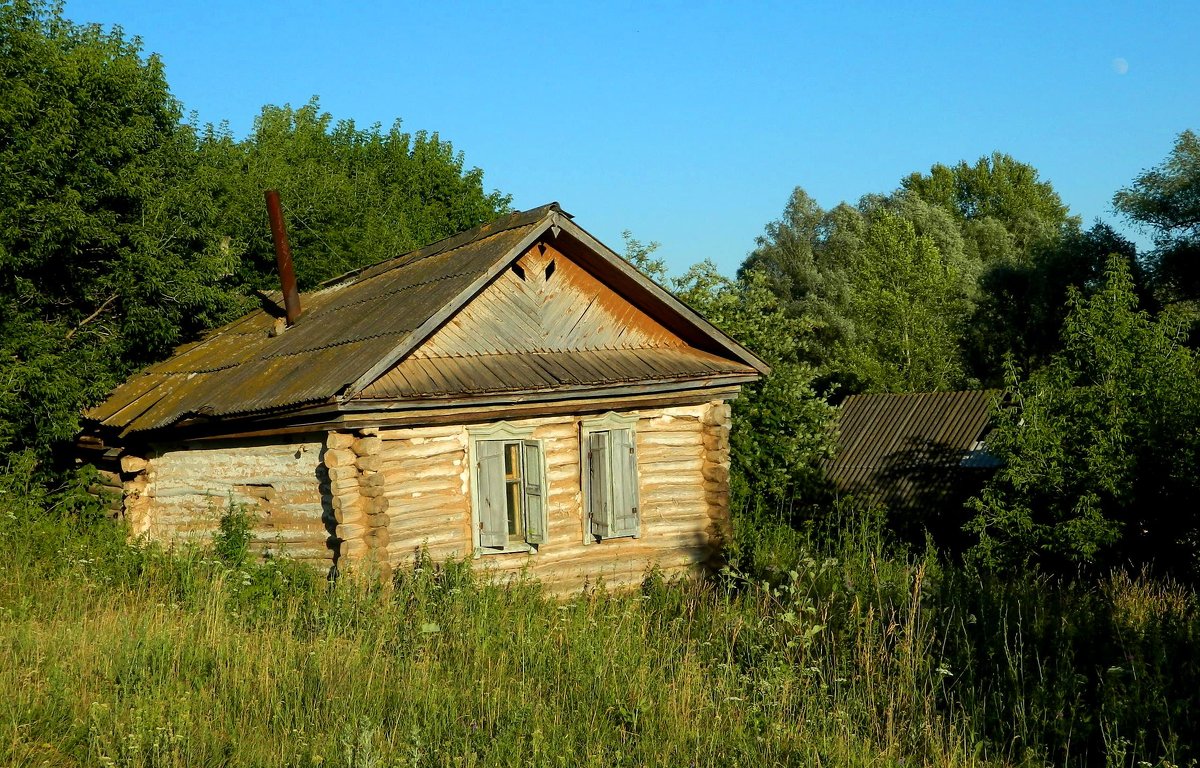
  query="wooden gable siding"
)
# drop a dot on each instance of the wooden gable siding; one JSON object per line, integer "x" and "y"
{"x": 546, "y": 323}
{"x": 566, "y": 312}
{"x": 682, "y": 482}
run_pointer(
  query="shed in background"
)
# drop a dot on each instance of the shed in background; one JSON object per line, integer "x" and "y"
{"x": 922, "y": 455}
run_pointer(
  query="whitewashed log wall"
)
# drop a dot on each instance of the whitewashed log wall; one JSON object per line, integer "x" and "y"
{"x": 179, "y": 493}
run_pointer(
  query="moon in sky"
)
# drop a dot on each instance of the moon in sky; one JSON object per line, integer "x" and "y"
{"x": 1120, "y": 66}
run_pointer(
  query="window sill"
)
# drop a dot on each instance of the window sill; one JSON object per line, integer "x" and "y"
{"x": 512, "y": 549}
{"x": 598, "y": 540}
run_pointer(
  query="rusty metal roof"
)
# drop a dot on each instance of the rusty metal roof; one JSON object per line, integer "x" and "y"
{"x": 911, "y": 449}
{"x": 355, "y": 328}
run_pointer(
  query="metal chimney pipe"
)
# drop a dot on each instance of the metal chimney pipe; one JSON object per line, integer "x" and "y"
{"x": 283, "y": 257}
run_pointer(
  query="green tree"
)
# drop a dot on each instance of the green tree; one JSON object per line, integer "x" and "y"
{"x": 781, "y": 428}
{"x": 125, "y": 232}
{"x": 1022, "y": 305}
{"x": 908, "y": 305}
{"x": 1100, "y": 447}
{"x": 884, "y": 285}
{"x": 1166, "y": 199}
{"x": 352, "y": 196}
{"x": 106, "y": 258}
{"x": 996, "y": 189}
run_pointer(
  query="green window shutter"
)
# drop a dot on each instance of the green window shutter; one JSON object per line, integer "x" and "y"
{"x": 489, "y": 475}
{"x": 624, "y": 483}
{"x": 535, "y": 494}
{"x": 599, "y": 488}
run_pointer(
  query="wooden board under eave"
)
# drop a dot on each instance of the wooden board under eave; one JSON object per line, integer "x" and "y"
{"x": 683, "y": 522}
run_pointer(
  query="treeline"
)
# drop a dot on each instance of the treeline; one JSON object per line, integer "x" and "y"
{"x": 977, "y": 276}
{"x": 126, "y": 230}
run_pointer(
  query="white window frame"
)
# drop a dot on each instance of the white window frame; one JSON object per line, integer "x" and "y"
{"x": 603, "y": 423}
{"x": 503, "y": 431}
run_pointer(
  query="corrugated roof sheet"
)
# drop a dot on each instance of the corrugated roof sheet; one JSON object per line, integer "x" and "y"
{"x": 346, "y": 327}
{"x": 911, "y": 449}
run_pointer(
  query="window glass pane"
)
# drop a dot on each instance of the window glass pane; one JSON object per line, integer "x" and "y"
{"x": 512, "y": 461}
{"x": 513, "y": 502}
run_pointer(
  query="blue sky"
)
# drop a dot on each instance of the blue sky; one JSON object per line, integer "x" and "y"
{"x": 690, "y": 124}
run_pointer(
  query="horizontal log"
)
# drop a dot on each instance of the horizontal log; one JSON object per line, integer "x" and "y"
{"x": 350, "y": 531}
{"x": 402, "y": 488}
{"x": 131, "y": 465}
{"x": 399, "y": 544}
{"x": 353, "y": 548}
{"x": 335, "y": 441}
{"x": 716, "y": 473}
{"x": 379, "y": 505}
{"x": 105, "y": 477}
{"x": 350, "y": 515}
{"x": 342, "y": 473}
{"x": 406, "y": 557}
{"x": 371, "y": 463}
{"x": 670, "y": 483}
{"x": 408, "y": 504}
{"x": 340, "y": 457}
{"x": 378, "y": 538}
{"x": 422, "y": 433}
{"x": 346, "y": 502}
{"x": 674, "y": 510}
{"x": 367, "y": 446}
{"x": 649, "y": 461}
{"x": 371, "y": 480}
{"x": 294, "y": 538}
{"x": 717, "y": 415}
{"x": 675, "y": 465}
{"x": 428, "y": 525}
{"x": 677, "y": 439}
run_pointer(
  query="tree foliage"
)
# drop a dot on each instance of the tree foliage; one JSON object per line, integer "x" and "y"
{"x": 781, "y": 429}
{"x": 996, "y": 190}
{"x": 352, "y": 196}
{"x": 1100, "y": 447}
{"x": 1166, "y": 199}
{"x": 125, "y": 232}
{"x": 908, "y": 305}
{"x": 885, "y": 286}
{"x": 106, "y": 254}
{"x": 1022, "y": 304}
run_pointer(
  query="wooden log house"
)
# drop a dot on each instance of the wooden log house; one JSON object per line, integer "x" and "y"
{"x": 517, "y": 393}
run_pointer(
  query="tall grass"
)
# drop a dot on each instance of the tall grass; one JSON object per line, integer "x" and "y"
{"x": 817, "y": 649}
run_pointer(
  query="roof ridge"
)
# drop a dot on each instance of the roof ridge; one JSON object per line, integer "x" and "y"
{"x": 504, "y": 223}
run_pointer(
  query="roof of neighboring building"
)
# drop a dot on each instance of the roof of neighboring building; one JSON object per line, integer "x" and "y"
{"x": 904, "y": 449}
{"x": 354, "y": 329}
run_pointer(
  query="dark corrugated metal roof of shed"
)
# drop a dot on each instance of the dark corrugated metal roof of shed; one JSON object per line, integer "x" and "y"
{"x": 901, "y": 448}
{"x": 241, "y": 368}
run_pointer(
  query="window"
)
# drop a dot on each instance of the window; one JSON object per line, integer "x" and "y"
{"x": 610, "y": 479}
{"x": 508, "y": 478}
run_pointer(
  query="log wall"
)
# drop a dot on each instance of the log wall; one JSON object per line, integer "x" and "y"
{"x": 374, "y": 498}
{"x": 683, "y": 470}
{"x": 178, "y": 493}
